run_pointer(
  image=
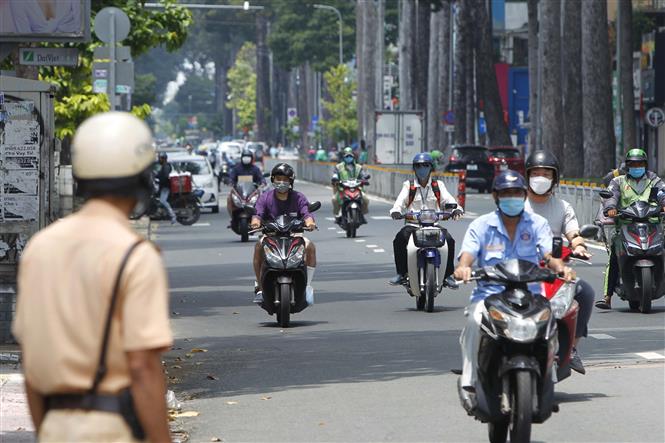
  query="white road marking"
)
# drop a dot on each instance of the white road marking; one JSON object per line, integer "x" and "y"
{"x": 602, "y": 336}
{"x": 200, "y": 225}
{"x": 650, "y": 355}
{"x": 596, "y": 247}
{"x": 372, "y": 246}
{"x": 379, "y": 250}
{"x": 330, "y": 218}
{"x": 360, "y": 241}
{"x": 471, "y": 214}
{"x": 341, "y": 232}
{"x": 381, "y": 217}
{"x": 332, "y": 229}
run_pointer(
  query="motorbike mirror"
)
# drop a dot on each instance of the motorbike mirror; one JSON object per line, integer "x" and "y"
{"x": 557, "y": 247}
{"x": 606, "y": 194}
{"x": 450, "y": 206}
{"x": 368, "y": 177}
{"x": 313, "y": 207}
{"x": 589, "y": 231}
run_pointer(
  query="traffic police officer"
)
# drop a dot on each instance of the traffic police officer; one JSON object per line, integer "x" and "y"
{"x": 507, "y": 233}
{"x": 86, "y": 380}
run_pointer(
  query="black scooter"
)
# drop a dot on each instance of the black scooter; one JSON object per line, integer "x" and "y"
{"x": 284, "y": 275}
{"x": 514, "y": 384}
{"x": 639, "y": 248}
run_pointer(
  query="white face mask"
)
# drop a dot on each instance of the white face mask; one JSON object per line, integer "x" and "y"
{"x": 540, "y": 185}
{"x": 246, "y": 160}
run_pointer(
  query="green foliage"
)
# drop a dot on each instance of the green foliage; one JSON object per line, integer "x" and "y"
{"x": 201, "y": 90}
{"x": 145, "y": 91}
{"x": 290, "y": 132}
{"x": 642, "y": 24}
{"x": 75, "y": 100}
{"x": 242, "y": 84}
{"x": 342, "y": 125}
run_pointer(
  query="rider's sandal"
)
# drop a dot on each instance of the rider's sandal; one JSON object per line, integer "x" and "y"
{"x": 605, "y": 303}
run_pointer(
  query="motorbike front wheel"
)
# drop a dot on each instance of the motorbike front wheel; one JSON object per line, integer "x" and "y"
{"x": 187, "y": 211}
{"x": 647, "y": 290}
{"x": 498, "y": 432}
{"x": 352, "y": 223}
{"x": 243, "y": 228}
{"x": 284, "y": 311}
{"x": 522, "y": 408}
{"x": 430, "y": 287}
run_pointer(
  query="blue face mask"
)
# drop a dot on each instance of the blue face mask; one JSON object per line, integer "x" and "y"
{"x": 511, "y": 206}
{"x": 637, "y": 172}
{"x": 348, "y": 160}
{"x": 422, "y": 172}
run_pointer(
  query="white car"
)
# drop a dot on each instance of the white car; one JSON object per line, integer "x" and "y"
{"x": 202, "y": 177}
{"x": 232, "y": 150}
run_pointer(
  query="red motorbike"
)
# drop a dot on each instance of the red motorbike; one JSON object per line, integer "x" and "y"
{"x": 351, "y": 195}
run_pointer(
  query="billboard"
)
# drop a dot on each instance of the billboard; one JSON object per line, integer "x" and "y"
{"x": 44, "y": 20}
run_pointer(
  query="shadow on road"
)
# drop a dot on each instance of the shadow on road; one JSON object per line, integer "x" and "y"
{"x": 564, "y": 397}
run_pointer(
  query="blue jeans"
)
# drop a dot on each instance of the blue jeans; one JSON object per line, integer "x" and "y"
{"x": 164, "y": 200}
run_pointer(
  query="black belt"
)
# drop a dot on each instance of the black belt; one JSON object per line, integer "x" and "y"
{"x": 87, "y": 402}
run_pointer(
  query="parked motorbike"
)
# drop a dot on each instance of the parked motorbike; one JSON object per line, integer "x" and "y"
{"x": 514, "y": 386}
{"x": 350, "y": 193}
{"x": 427, "y": 250}
{"x": 244, "y": 196}
{"x": 184, "y": 200}
{"x": 284, "y": 275}
{"x": 638, "y": 245}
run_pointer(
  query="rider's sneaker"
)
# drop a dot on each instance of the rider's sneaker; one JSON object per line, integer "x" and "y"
{"x": 309, "y": 295}
{"x": 605, "y": 303}
{"x": 576, "y": 362}
{"x": 397, "y": 280}
{"x": 338, "y": 220}
{"x": 174, "y": 221}
{"x": 258, "y": 297}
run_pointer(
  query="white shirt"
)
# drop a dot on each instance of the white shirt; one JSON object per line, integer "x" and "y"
{"x": 559, "y": 213}
{"x": 424, "y": 198}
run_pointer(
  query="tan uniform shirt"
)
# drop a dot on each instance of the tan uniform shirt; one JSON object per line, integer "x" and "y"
{"x": 66, "y": 276}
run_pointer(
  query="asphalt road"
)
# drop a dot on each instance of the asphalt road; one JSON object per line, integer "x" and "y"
{"x": 362, "y": 364}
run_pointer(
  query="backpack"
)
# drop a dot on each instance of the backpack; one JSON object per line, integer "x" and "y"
{"x": 412, "y": 192}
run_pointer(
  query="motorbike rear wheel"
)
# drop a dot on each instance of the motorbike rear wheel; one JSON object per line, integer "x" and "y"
{"x": 521, "y": 408}
{"x": 243, "y": 228}
{"x": 647, "y": 290}
{"x": 284, "y": 311}
{"x": 430, "y": 287}
{"x": 187, "y": 210}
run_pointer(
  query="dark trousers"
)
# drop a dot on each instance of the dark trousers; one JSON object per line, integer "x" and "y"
{"x": 585, "y": 296}
{"x": 402, "y": 240}
{"x": 612, "y": 274}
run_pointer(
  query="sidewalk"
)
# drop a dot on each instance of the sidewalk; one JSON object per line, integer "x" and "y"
{"x": 15, "y": 422}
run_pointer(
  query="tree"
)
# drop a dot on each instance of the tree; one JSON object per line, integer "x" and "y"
{"x": 532, "y": 7}
{"x": 262, "y": 79}
{"x": 573, "y": 139}
{"x": 342, "y": 124}
{"x": 366, "y": 47}
{"x": 596, "y": 90}
{"x": 463, "y": 69}
{"x": 443, "y": 55}
{"x": 242, "y": 84}
{"x": 406, "y": 54}
{"x": 551, "y": 104}
{"x": 625, "y": 27}
{"x": 433, "y": 92}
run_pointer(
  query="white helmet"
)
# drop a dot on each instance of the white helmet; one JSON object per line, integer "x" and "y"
{"x": 112, "y": 154}
{"x": 111, "y": 145}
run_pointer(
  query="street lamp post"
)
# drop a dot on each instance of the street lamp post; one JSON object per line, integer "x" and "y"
{"x": 245, "y": 6}
{"x": 339, "y": 18}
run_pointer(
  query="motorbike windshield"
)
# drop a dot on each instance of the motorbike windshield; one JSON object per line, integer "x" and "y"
{"x": 245, "y": 188}
{"x": 518, "y": 271}
{"x": 641, "y": 210}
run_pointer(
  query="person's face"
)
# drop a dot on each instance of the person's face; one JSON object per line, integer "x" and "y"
{"x": 542, "y": 172}
{"x": 282, "y": 183}
{"x": 162, "y": 160}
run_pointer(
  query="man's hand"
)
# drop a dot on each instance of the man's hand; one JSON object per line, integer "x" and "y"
{"x": 612, "y": 213}
{"x": 256, "y": 223}
{"x": 310, "y": 224}
{"x": 569, "y": 274}
{"x": 556, "y": 264}
{"x": 581, "y": 252}
{"x": 463, "y": 273}
{"x": 396, "y": 215}
{"x": 457, "y": 214}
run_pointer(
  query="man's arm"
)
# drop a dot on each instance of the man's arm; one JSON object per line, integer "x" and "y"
{"x": 37, "y": 406}
{"x": 402, "y": 198}
{"x": 613, "y": 202}
{"x": 148, "y": 391}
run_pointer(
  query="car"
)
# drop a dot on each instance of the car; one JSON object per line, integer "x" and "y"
{"x": 288, "y": 153}
{"x": 202, "y": 177}
{"x": 506, "y": 157}
{"x": 475, "y": 160}
{"x": 232, "y": 150}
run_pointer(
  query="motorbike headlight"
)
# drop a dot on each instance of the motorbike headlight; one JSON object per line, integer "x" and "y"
{"x": 295, "y": 258}
{"x": 522, "y": 330}
{"x": 253, "y": 199}
{"x": 273, "y": 259}
{"x": 561, "y": 302}
{"x": 237, "y": 200}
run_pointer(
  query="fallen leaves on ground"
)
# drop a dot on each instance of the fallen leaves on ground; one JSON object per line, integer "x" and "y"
{"x": 215, "y": 439}
{"x": 212, "y": 377}
{"x": 186, "y": 414}
{"x": 266, "y": 398}
{"x": 197, "y": 350}
{"x": 322, "y": 424}
{"x": 231, "y": 402}
{"x": 176, "y": 367}
{"x": 235, "y": 313}
{"x": 189, "y": 355}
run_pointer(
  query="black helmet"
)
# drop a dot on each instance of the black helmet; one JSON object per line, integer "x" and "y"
{"x": 283, "y": 169}
{"x": 543, "y": 159}
{"x": 508, "y": 180}
{"x": 247, "y": 153}
{"x": 163, "y": 155}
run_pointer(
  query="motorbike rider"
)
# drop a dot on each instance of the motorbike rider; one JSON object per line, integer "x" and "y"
{"x": 348, "y": 169}
{"x": 542, "y": 174}
{"x": 636, "y": 185}
{"x": 245, "y": 167}
{"x": 422, "y": 193}
{"x": 509, "y": 232}
{"x": 165, "y": 184}
{"x": 283, "y": 199}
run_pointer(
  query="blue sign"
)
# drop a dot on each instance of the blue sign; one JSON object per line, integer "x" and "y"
{"x": 449, "y": 118}
{"x": 482, "y": 126}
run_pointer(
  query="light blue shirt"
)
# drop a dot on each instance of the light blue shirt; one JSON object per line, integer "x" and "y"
{"x": 488, "y": 242}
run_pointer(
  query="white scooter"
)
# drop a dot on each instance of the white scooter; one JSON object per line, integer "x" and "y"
{"x": 427, "y": 251}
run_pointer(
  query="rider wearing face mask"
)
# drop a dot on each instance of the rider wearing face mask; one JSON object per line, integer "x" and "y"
{"x": 282, "y": 200}
{"x": 348, "y": 169}
{"x": 542, "y": 172}
{"x": 419, "y": 194}
{"x": 634, "y": 186}
{"x": 247, "y": 169}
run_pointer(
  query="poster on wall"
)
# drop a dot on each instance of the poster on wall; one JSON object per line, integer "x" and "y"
{"x": 45, "y": 20}
{"x": 20, "y": 157}
{"x": 21, "y": 132}
{"x": 20, "y": 207}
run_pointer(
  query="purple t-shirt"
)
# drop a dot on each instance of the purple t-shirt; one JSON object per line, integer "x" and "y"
{"x": 269, "y": 207}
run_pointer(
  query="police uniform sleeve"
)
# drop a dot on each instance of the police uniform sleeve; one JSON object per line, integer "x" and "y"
{"x": 145, "y": 307}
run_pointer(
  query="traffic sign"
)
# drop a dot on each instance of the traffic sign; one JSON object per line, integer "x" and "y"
{"x": 291, "y": 113}
{"x": 655, "y": 117}
{"x": 49, "y": 56}
{"x": 449, "y": 118}
{"x": 100, "y": 85}
{"x": 103, "y": 24}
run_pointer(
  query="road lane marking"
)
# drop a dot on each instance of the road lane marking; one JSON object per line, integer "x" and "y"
{"x": 379, "y": 250}
{"x": 372, "y": 246}
{"x": 359, "y": 241}
{"x": 381, "y": 217}
{"x": 602, "y": 336}
{"x": 341, "y": 232}
{"x": 651, "y": 355}
{"x": 330, "y": 218}
{"x": 596, "y": 247}
{"x": 332, "y": 229}
{"x": 200, "y": 225}
{"x": 471, "y": 214}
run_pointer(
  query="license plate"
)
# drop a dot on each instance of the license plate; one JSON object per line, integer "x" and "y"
{"x": 471, "y": 167}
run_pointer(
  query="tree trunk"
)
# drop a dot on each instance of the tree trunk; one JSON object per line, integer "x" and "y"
{"x": 532, "y": 6}
{"x": 379, "y": 53}
{"x": 596, "y": 90}
{"x": 627, "y": 92}
{"x": 369, "y": 45}
{"x": 262, "y": 79}
{"x": 303, "y": 105}
{"x": 573, "y": 154}
{"x": 360, "y": 66}
{"x": 443, "y": 45}
{"x": 433, "y": 93}
{"x": 281, "y": 80}
{"x": 471, "y": 108}
{"x": 551, "y": 105}
{"x": 462, "y": 57}
{"x": 422, "y": 40}
{"x": 406, "y": 29}
{"x": 488, "y": 87}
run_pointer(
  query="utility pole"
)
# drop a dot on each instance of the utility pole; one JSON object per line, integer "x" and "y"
{"x": 618, "y": 120}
